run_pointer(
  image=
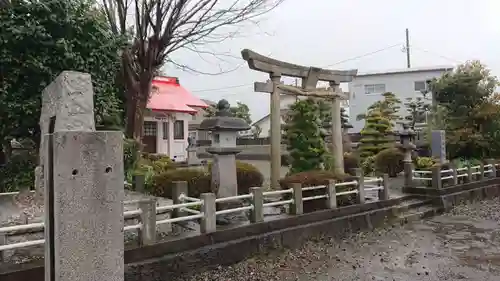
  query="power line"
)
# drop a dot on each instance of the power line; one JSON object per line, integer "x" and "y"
{"x": 364, "y": 55}
{"x": 436, "y": 54}
{"x": 222, "y": 88}
{"x": 336, "y": 63}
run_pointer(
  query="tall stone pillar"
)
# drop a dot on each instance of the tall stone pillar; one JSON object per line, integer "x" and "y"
{"x": 275, "y": 131}
{"x": 337, "y": 142}
{"x": 84, "y": 206}
{"x": 67, "y": 105}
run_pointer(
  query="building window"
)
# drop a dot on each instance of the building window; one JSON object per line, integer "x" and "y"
{"x": 420, "y": 86}
{"x": 179, "y": 130}
{"x": 375, "y": 89}
{"x": 149, "y": 128}
{"x": 165, "y": 130}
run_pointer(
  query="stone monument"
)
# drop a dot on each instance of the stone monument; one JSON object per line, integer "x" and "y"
{"x": 224, "y": 127}
{"x": 438, "y": 145}
{"x": 192, "y": 153}
{"x": 67, "y": 105}
{"x": 406, "y": 136}
{"x": 310, "y": 77}
{"x": 83, "y": 185}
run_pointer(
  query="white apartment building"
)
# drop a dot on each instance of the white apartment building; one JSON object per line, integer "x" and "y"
{"x": 367, "y": 88}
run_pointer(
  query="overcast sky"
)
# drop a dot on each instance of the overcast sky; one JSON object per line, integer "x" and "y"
{"x": 325, "y": 32}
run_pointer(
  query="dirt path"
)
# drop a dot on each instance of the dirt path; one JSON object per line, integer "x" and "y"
{"x": 462, "y": 245}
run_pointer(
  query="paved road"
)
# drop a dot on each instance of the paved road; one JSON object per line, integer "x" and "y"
{"x": 463, "y": 245}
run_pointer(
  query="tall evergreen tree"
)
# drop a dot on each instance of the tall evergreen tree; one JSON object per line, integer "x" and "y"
{"x": 303, "y": 136}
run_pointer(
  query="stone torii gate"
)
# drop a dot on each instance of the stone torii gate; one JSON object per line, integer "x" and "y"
{"x": 310, "y": 77}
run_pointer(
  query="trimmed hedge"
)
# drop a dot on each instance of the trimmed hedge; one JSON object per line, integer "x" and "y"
{"x": 199, "y": 180}
{"x": 315, "y": 178}
{"x": 389, "y": 161}
{"x": 351, "y": 162}
{"x": 247, "y": 176}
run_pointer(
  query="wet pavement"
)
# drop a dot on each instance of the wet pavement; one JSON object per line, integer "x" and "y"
{"x": 461, "y": 245}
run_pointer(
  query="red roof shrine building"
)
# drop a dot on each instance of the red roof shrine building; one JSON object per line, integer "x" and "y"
{"x": 171, "y": 107}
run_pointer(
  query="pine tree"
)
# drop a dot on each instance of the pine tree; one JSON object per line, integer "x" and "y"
{"x": 375, "y": 136}
{"x": 304, "y": 137}
{"x": 379, "y": 123}
{"x": 344, "y": 119}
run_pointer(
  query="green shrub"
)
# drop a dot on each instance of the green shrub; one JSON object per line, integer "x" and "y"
{"x": 199, "y": 181}
{"x": 247, "y": 176}
{"x": 351, "y": 162}
{"x": 130, "y": 154}
{"x": 389, "y": 161}
{"x": 368, "y": 165}
{"x": 18, "y": 172}
{"x": 156, "y": 157}
{"x": 424, "y": 163}
{"x": 315, "y": 178}
{"x": 162, "y": 165}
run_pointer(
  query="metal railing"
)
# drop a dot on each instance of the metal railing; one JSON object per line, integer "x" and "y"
{"x": 185, "y": 208}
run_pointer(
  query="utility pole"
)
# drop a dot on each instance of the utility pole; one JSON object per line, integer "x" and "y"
{"x": 407, "y": 48}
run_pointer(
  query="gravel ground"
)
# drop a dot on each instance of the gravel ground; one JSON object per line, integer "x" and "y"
{"x": 461, "y": 245}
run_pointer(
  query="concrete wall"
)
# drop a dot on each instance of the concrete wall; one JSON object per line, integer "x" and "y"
{"x": 401, "y": 84}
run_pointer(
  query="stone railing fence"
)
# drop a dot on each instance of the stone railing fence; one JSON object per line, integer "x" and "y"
{"x": 453, "y": 176}
{"x": 204, "y": 210}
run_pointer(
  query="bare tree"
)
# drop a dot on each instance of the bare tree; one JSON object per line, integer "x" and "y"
{"x": 159, "y": 28}
{"x": 4, "y": 3}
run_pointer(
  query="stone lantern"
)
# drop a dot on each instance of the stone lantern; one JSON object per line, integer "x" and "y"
{"x": 224, "y": 128}
{"x": 406, "y": 136}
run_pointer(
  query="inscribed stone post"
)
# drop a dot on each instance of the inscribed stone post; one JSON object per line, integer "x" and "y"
{"x": 67, "y": 105}
{"x": 84, "y": 206}
{"x": 438, "y": 145}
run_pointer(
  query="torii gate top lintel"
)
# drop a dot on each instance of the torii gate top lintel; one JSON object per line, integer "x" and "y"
{"x": 262, "y": 63}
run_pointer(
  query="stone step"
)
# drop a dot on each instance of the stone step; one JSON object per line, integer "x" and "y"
{"x": 422, "y": 212}
{"x": 412, "y": 203}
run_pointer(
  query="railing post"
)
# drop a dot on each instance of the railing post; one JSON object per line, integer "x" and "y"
{"x": 481, "y": 171}
{"x": 138, "y": 182}
{"x": 470, "y": 176}
{"x": 493, "y": 173}
{"x": 208, "y": 222}
{"x": 383, "y": 194}
{"x": 296, "y": 208}
{"x": 147, "y": 233}
{"x": 361, "y": 186}
{"x": 408, "y": 174}
{"x": 454, "y": 173}
{"x": 331, "y": 195}
{"x": 257, "y": 213}
{"x": 437, "y": 183}
{"x": 179, "y": 187}
{"x": 3, "y": 241}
